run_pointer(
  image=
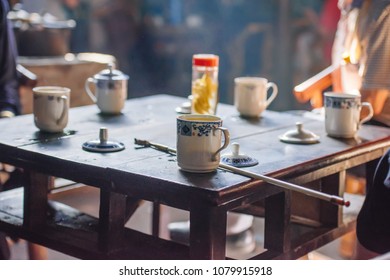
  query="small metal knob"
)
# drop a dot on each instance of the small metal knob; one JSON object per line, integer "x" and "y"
{"x": 103, "y": 135}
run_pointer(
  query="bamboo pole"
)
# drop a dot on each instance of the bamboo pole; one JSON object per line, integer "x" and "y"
{"x": 286, "y": 185}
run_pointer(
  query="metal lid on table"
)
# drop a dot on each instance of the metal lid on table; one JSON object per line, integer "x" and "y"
{"x": 299, "y": 136}
{"x": 236, "y": 159}
{"x": 103, "y": 145}
{"x": 111, "y": 74}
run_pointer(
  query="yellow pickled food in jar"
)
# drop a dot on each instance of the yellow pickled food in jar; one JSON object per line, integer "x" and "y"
{"x": 204, "y": 92}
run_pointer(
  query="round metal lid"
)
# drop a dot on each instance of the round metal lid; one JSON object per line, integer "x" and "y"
{"x": 103, "y": 145}
{"x": 299, "y": 136}
{"x": 111, "y": 74}
{"x": 236, "y": 159}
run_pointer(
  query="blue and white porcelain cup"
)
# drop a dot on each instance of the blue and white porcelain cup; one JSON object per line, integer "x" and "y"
{"x": 199, "y": 142}
{"x": 343, "y": 114}
{"x": 51, "y": 108}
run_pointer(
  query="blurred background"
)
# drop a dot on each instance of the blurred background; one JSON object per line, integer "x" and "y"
{"x": 153, "y": 41}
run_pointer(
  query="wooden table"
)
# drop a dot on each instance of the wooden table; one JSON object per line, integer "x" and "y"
{"x": 294, "y": 224}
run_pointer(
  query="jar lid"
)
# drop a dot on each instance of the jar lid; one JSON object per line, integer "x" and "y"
{"x": 208, "y": 60}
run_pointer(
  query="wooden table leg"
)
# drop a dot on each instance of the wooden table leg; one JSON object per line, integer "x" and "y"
{"x": 330, "y": 214}
{"x": 35, "y": 199}
{"x": 207, "y": 233}
{"x": 156, "y": 219}
{"x": 277, "y": 222}
{"x": 112, "y": 219}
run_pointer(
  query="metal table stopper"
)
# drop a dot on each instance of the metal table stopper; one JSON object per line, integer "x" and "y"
{"x": 236, "y": 159}
{"x": 103, "y": 145}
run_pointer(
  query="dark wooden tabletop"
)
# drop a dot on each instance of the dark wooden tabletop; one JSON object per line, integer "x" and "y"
{"x": 151, "y": 172}
{"x": 148, "y": 174}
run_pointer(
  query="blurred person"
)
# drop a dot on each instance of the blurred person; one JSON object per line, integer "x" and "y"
{"x": 361, "y": 57}
{"x": 9, "y": 87}
{"x": 314, "y": 24}
{"x": 79, "y": 11}
{"x": 10, "y": 106}
{"x": 119, "y": 20}
{"x": 361, "y": 53}
{"x": 9, "y": 95}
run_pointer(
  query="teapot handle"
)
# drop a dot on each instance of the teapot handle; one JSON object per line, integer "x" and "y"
{"x": 88, "y": 90}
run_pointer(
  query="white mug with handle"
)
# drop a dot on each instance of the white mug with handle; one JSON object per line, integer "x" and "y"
{"x": 199, "y": 142}
{"x": 51, "y": 108}
{"x": 343, "y": 114}
{"x": 251, "y": 95}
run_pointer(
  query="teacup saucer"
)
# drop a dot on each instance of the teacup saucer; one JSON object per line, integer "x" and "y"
{"x": 236, "y": 159}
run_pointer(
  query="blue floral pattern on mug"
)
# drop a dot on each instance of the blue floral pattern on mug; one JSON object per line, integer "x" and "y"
{"x": 195, "y": 129}
{"x": 50, "y": 97}
{"x": 341, "y": 103}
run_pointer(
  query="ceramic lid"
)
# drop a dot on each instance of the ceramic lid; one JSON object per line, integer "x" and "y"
{"x": 103, "y": 145}
{"x": 184, "y": 108}
{"x": 299, "y": 136}
{"x": 236, "y": 159}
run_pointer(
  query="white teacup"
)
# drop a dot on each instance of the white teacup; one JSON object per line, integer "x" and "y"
{"x": 251, "y": 95}
{"x": 342, "y": 114}
{"x": 199, "y": 142}
{"x": 51, "y": 107}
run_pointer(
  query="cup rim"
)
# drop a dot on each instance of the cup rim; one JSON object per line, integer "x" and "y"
{"x": 251, "y": 79}
{"x": 343, "y": 95}
{"x": 53, "y": 90}
{"x": 199, "y": 118}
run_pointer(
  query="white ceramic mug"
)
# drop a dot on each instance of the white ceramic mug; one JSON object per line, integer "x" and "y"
{"x": 110, "y": 90}
{"x": 51, "y": 108}
{"x": 199, "y": 142}
{"x": 251, "y": 95}
{"x": 342, "y": 114}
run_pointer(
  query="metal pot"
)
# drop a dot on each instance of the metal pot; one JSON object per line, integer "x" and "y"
{"x": 38, "y": 35}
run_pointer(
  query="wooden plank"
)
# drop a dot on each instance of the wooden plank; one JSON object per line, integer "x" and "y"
{"x": 76, "y": 234}
{"x": 305, "y": 239}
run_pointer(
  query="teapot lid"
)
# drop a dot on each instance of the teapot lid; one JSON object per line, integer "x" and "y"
{"x": 111, "y": 74}
{"x": 299, "y": 136}
{"x": 236, "y": 159}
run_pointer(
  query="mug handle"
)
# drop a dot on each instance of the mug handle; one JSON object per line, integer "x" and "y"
{"x": 64, "y": 107}
{"x": 88, "y": 90}
{"x": 226, "y": 134}
{"x": 370, "y": 114}
{"x": 273, "y": 94}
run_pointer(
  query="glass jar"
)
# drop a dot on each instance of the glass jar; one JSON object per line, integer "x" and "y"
{"x": 204, "y": 89}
